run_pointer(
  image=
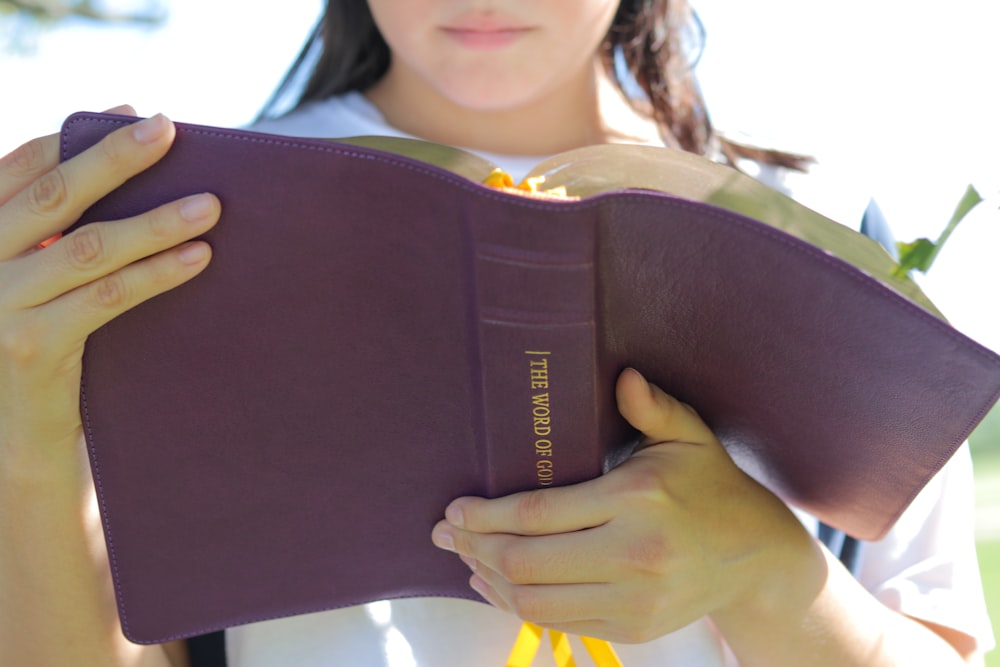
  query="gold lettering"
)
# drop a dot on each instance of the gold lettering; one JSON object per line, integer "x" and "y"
{"x": 541, "y": 414}
{"x": 539, "y": 378}
{"x": 542, "y": 423}
{"x": 544, "y": 472}
{"x": 538, "y": 370}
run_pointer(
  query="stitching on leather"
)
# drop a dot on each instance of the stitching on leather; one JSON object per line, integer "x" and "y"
{"x": 622, "y": 200}
{"x": 99, "y": 487}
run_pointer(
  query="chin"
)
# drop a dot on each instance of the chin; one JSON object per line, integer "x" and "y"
{"x": 488, "y": 95}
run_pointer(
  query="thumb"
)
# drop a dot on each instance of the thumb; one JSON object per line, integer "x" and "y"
{"x": 660, "y": 417}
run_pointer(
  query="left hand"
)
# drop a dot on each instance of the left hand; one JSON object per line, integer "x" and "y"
{"x": 676, "y": 533}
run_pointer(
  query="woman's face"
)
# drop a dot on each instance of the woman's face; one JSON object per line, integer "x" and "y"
{"x": 488, "y": 55}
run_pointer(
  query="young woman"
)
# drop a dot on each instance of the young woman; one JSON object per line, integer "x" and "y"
{"x": 677, "y": 555}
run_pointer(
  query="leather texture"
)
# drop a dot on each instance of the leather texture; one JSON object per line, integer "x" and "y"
{"x": 279, "y": 435}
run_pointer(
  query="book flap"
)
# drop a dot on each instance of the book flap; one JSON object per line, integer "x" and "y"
{"x": 327, "y": 366}
{"x": 604, "y": 168}
{"x": 455, "y": 160}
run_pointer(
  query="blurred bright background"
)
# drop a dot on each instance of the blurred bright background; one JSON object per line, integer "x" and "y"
{"x": 897, "y": 100}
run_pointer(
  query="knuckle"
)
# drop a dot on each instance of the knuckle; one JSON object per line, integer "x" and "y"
{"x": 27, "y": 159}
{"x": 160, "y": 276}
{"x": 111, "y": 149}
{"x": 48, "y": 193}
{"x": 669, "y": 409}
{"x": 645, "y": 609}
{"x": 642, "y": 484}
{"x": 651, "y": 554}
{"x": 111, "y": 292}
{"x": 530, "y": 511}
{"x": 20, "y": 343}
{"x": 160, "y": 223}
{"x": 85, "y": 247}
{"x": 527, "y": 604}
{"x": 689, "y": 409}
{"x": 514, "y": 566}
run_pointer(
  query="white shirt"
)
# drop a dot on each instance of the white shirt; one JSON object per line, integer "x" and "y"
{"x": 925, "y": 567}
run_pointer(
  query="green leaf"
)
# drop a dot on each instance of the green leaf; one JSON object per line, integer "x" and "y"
{"x": 917, "y": 255}
{"x": 920, "y": 254}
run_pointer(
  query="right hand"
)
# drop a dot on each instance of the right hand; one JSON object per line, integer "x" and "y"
{"x": 52, "y": 298}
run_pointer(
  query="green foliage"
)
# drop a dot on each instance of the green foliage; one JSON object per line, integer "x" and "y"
{"x": 150, "y": 12}
{"x": 989, "y": 564}
{"x": 22, "y": 22}
{"x": 920, "y": 254}
{"x": 985, "y": 439}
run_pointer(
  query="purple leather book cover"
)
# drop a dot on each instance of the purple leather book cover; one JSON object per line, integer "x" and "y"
{"x": 376, "y": 336}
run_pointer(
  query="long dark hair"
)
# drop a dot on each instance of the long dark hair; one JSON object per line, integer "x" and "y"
{"x": 652, "y": 44}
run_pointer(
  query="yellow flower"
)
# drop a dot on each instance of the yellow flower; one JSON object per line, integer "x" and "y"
{"x": 529, "y": 187}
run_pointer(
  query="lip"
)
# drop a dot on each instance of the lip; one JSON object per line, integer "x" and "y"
{"x": 485, "y": 32}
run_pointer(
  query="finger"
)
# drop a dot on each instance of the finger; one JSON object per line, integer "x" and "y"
{"x": 55, "y": 199}
{"x": 26, "y": 163}
{"x": 538, "y": 512}
{"x": 603, "y": 611}
{"x": 34, "y": 158}
{"x": 544, "y": 605}
{"x": 98, "y": 249}
{"x": 566, "y": 558}
{"x": 121, "y": 110}
{"x": 660, "y": 417}
{"x": 84, "y": 310}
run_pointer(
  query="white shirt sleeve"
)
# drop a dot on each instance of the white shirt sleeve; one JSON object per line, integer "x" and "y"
{"x": 926, "y": 567}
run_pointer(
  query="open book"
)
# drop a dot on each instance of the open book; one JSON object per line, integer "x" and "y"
{"x": 379, "y": 333}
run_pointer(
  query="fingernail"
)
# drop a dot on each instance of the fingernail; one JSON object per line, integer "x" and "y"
{"x": 454, "y": 516}
{"x": 642, "y": 378}
{"x": 480, "y": 586}
{"x": 471, "y": 562}
{"x": 197, "y": 207}
{"x": 193, "y": 253}
{"x": 443, "y": 539}
{"x": 149, "y": 130}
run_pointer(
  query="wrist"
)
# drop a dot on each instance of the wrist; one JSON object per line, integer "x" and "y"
{"x": 43, "y": 465}
{"x": 786, "y": 577}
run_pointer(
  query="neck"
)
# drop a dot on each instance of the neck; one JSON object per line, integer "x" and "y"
{"x": 566, "y": 118}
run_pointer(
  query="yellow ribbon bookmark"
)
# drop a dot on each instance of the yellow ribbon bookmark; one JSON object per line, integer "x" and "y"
{"x": 561, "y": 649}
{"x": 525, "y": 646}
{"x": 601, "y": 652}
{"x": 530, "y": 638}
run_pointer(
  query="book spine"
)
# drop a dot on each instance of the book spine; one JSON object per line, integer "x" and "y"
{"x": 534, "y": 268}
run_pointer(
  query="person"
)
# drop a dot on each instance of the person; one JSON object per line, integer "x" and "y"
{"x": 676, "y": 555}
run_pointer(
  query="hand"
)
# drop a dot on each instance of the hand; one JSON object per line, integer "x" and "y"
{"x": 676, "y": 533}
{"x": 52, "y": 298}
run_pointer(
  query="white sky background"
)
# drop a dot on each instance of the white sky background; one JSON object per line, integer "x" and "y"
{"x": 898, "y": 98}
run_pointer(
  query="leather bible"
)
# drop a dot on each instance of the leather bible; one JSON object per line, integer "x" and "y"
{"x": 378, "y": 333}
